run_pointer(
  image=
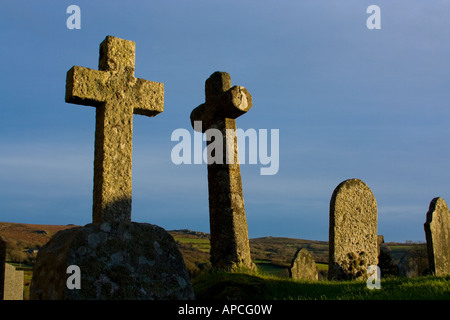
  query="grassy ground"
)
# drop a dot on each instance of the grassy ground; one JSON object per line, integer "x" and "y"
{"x": 266, "y": 285}
{"x": 239, "y": 286}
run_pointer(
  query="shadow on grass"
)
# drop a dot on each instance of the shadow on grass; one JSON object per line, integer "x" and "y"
{"x": 241, "y": 286}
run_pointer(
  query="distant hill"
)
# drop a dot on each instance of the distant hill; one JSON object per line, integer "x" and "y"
{"x": 39, "y": 233}
{"x": 272, "y": 253}
{"x": 23, "y": 240}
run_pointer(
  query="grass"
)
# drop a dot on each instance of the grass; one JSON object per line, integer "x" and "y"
{"x": 27, "y": 275}
{"x": 268, "y": 268}
{"x": 322, "y": 266}
{"x": 248, "y": 286}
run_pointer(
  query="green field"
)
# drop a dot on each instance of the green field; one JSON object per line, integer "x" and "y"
{"x": 200, "y": 244}
{"x": 267, "y": 268}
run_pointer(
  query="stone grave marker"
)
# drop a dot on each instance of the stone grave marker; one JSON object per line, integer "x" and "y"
{"x": 408, "y": 267}
{"x": 13, "y": 283}
{"x": 303, "y": 266}
{"x": 2, "y": 266}
{"x": 230, "y": 247}
{"x": 437, "y": 233}
{"x": 117, "y": 258}
{"x": 353, "y": 231}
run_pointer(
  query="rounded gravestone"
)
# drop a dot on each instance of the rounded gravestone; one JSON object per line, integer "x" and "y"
{"x": 353, "y": 231}
{"x": 303, "y": 266}
{"x": 135, "y": 261}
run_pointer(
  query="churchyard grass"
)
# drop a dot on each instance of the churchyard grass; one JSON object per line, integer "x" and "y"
{"x": 264, "y": 286}
{"x": 260, "y": 285}
{"x": 27, "y": 275}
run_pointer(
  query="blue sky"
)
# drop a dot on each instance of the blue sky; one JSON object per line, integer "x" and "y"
{"x": 349, "y": 102}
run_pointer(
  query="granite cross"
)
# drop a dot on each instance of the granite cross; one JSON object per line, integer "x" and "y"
{"x": 117, "y": 95}
{"x": 230, "y": 247}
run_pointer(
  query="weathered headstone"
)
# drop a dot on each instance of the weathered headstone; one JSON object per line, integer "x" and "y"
{"x": 117, "y": 258}
{"x": 2, "y": 266}
{"x": 230, "y": 247}
{"x": 353, "y": 231}
{"x": 303, "y": 266}
{"x": 136, "y": 261}
{"x": 437, "y": 233}
{"x": 408, "y": 267}
{"x": 13, "y": 283}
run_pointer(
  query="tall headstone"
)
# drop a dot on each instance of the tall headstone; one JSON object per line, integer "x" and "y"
{"x": 437, "y": 233}
{"x": 115, "y": 258}
{"x": 303, "y": 266}
{"x": 353, "y": 231}
{"x": 2, "y": 266}
{"x": 230, "y": 247}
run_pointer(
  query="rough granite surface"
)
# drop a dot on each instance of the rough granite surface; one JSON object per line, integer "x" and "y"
{"x": 13, "y": 283}
{"x": 230, "y": 248}
{"x": 353, "y": 236}
{"x": 134, "y": 261}
{"x": 437, "y": 233}
{"x": 303, "y": 266}
{"x": 117, "y": 95}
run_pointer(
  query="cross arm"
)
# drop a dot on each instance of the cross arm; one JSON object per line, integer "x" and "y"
{"x": 234, "y": 102}
{"x": 202, "y": 114}
{"x": 86, "y": 86}
{"x": 148, "y": 97}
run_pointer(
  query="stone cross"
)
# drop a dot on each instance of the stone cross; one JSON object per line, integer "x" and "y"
{"x": 117, "y": 95}
{"x": 353, "y": 231}
{"x": 230, "y": 247}
{"x": 437, "y": 233}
